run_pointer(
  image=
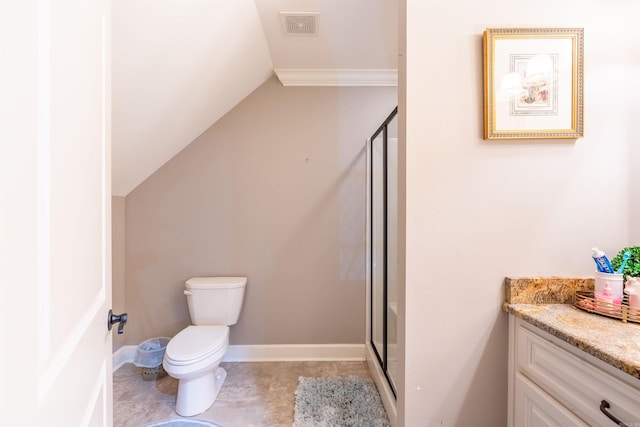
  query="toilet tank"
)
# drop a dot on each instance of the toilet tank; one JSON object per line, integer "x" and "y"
{"x": 215, "y": 300}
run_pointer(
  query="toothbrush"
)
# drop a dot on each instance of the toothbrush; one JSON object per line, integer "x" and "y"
{"x": 625, "y": 258}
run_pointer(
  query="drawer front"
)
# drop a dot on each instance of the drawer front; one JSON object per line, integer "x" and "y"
{"x": 577, "y": 384}
{"x": 535, "y": 408}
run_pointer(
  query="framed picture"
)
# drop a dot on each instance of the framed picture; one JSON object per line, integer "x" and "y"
{"x": 533, "y": 83}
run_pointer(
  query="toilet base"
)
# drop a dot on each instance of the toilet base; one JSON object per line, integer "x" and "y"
{"x": 196, "y": 395}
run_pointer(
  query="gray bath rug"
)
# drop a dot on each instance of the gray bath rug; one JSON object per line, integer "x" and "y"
{"x": 338, "y": 401}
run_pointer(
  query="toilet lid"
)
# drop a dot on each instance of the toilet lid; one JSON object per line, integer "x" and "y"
{"x": 196, "y": 343}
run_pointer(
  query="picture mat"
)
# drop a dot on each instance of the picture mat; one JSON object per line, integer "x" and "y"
{"x": 563, "y": 48}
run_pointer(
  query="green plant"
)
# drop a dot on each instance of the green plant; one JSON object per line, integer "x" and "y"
{"x": 632, "y": 267}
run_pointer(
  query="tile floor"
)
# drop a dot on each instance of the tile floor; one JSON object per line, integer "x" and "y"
{"x": 255, "y": 394}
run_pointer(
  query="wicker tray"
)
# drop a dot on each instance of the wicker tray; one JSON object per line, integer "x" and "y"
{"x": 585, "y": 301}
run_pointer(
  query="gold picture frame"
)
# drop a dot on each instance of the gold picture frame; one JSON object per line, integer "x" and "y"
{"x": 533, "y": 83}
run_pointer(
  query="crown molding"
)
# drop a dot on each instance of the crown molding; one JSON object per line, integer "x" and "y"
{"x": 336, "y": 77}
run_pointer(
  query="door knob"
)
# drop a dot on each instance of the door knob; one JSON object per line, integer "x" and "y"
{"x": 112, "y": 319}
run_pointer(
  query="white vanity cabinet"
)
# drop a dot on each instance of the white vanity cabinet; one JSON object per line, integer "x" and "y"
{"x": 552, "y": 383}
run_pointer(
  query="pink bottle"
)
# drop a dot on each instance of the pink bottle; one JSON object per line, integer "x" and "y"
{"x": 607, "y": 302}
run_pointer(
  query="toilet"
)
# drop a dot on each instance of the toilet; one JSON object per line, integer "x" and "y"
{"x": 193, "y": 356}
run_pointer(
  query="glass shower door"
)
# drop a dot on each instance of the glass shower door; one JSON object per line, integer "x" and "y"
{"x": 383, "y": 246}
{"x": 378, "y": 250}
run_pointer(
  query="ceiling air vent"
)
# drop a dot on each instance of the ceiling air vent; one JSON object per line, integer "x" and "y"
{"x": 300, "y": 23}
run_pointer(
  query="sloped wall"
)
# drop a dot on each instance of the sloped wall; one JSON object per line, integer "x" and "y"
{"x": 275, "y": 190}
{"x": 177, "y": 67}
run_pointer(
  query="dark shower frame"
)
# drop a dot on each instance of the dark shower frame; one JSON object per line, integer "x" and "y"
{"x": 382, "y": 359}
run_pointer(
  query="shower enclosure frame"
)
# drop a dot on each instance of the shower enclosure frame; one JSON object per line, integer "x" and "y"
{"x": 378, "y": 358}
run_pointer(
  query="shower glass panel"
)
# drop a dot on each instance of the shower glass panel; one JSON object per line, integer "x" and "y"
{"x": 378, "y": 247}
{"x": 383, "y": 245}
{"x": 392, "y": 252}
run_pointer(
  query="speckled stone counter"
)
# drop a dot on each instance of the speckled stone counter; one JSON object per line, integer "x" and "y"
{"x": 547, "y": 304}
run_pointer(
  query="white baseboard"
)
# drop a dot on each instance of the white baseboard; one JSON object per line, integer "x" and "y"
{"x": 270, "y": 353}
{"x": 294, "y": 352}
{"x": 124, "y": 354}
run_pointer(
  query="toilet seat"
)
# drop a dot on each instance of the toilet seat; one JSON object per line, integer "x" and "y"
{"x": 196, "y": 343}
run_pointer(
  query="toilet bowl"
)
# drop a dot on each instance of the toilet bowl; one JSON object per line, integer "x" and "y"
{"x": 193, "y": 356}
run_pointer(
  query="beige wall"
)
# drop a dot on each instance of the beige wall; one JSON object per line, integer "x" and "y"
{"x": 275, "y": 190}
{"x": 117, "y": 248}
{"x": 477, "y": 211}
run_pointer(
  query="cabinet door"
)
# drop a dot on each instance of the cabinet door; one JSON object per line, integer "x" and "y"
{"x": 577, "y": 384}
{"x": 535, "y": 408}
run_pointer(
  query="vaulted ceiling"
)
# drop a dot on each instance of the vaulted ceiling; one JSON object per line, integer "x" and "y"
{"x": 179, "y": 65}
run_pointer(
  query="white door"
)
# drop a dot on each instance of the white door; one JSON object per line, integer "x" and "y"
{"x": 55, "y": 213}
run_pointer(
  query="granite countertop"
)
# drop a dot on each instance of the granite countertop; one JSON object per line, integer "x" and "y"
{"x": 547, "y": 303}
